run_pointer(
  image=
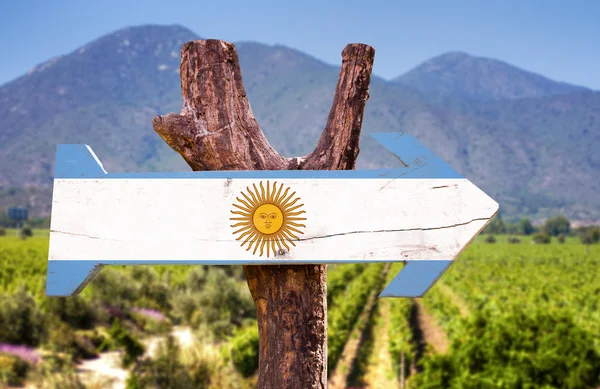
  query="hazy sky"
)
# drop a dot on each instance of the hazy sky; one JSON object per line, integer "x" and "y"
{"x": 559, "y": 39}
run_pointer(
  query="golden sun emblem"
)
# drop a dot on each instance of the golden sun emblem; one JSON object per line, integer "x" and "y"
{"x": 267, "y": 218}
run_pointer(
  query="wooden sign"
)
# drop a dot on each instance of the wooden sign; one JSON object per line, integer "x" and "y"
{"x": 424, "y": 214}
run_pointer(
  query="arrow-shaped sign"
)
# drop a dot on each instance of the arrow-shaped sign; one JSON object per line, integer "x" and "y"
{"x": 424, "y": 214}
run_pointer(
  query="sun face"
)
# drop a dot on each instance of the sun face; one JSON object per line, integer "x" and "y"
{"x": 267, "y": 219}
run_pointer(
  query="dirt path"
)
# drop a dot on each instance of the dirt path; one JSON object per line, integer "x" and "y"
{"x": 380, "y": 369}
{"x": 106, "y": 370}
{"x": 339, "y": 378}
{"x": 428, "y": 330}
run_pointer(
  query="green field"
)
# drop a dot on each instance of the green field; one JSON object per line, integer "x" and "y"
{"x": 503, "y": 316}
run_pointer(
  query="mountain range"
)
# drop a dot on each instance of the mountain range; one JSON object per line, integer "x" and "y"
{"x": 531, "y": 143}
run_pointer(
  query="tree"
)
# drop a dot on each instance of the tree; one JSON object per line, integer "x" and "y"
{"x": 496, "y": 226}
{"x": 557, "y": 225}
{"x": 525, "y": 227}
{"x": 541, "y": 238}
{"x": 216, "y": 130}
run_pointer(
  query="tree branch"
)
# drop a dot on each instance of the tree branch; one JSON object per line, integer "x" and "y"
{"x": 338, "y": 146}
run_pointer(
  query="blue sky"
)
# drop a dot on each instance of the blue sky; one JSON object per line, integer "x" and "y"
{"x": 558, "y": 39}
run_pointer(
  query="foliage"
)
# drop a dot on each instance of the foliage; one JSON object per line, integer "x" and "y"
{"x": 525, "y": 227}
{"x": 401, "y": 340}
{"x": 589, "y": 235}
{"x": 166, "y": 371}
{"x": 556, "y": 226}
{"x": 74, "y": 310}
{"x": 348, "y": 306}
{"x": 540, "y": 332}
{"x": 20, "y": 319}
{"x": 13, "y": 370}
{"x": 26, "y": 232}
{"x": 212, "y": 298}
{"x": 536, "y": 349}
{"x": 338, "y": 278}
{"x": 541, "y": 238}
{"x": 56, "y": 372}
{"x": 490, "y": 239}
{"x": 244, "y": 350}
{"x": 132, "y": 347}
{"x": 496, "y": 226}
{"x": 513, "y": 240}
{"x": 63, "y": 338}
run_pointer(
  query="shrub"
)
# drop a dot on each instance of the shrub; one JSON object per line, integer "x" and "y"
{"x": 2, "y": 231}
{"x": 490, "y": 239}
{"x": 244, "y": 350}
{"x": 590, "y": 235}
{"x": 56, "y": 372}
{"x": 132, "y": 347}
{"x": 21, "y": 322}
{"x": 513, "y": 240}
{"x": 561, "y": 238}
{"x": 26, "y": 232}
{"x": 13, "y": 370}
{"x": 595, "y": 235}
{"x": 541, "y": 238}
{"x": 61, "y": 338}
{"x": 75, "y": 311}
{"x": 167, "y": 371}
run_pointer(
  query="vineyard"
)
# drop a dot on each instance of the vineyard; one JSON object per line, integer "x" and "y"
{"x": 503, "y": 316}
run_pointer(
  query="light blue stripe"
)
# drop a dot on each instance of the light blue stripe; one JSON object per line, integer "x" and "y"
{"x": 416, "y": 278}
{"x": 69, "y": 277}
{"x": 75, "y": 161}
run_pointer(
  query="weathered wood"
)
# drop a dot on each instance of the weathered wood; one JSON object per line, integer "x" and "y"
{"x": 216, "y": 130}
{"x": 409, "y": 219}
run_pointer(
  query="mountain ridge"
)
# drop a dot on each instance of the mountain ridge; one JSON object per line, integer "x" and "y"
{"x": 479, "y": 78}
{"x": 106, "y": 92}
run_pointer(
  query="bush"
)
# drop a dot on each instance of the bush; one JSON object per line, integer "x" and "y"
{"x": 75, "y": 311}
{"x": 168, "y": 372}
{"x": 21, "y": 322}
{"x": 589, "y": 235}
{"x": 132, "y": 347}
{"x": 2, "y": 231}
{"x": 561, "y": 238}
{"x": 490, "y": 239}
{"x": 513, "y": 240}
{"x": 13, "y": 370}
{"x": 541, "y": 238}
{"x": 595, "y": 235}
{"x": 244, "y": 351}
{"x": 62, "y": 339}
{"x": 221, "y": 303}
{"x": 26, "y": 232}
{"x": 56, "y": 372}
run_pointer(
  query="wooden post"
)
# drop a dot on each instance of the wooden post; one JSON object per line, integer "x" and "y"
{"x": 216, "y": 130}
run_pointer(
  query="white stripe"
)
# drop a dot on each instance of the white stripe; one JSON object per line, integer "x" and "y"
{"x": 188, "y": 219}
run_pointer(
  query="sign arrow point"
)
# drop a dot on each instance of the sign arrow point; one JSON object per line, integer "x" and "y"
{"x": 415, "y": 278}
{"x": 68, "y": 278}
{"x": 77, "y": 160}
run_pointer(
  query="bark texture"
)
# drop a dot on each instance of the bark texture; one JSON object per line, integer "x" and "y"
{"x": 216, "y": 130}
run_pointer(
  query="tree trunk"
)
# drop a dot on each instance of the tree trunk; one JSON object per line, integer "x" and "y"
{"x": 216, "y": 130}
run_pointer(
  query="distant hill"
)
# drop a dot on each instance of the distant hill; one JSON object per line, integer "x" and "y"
{"x": 463, "y": 76}
{"x": 536, "y": 155}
